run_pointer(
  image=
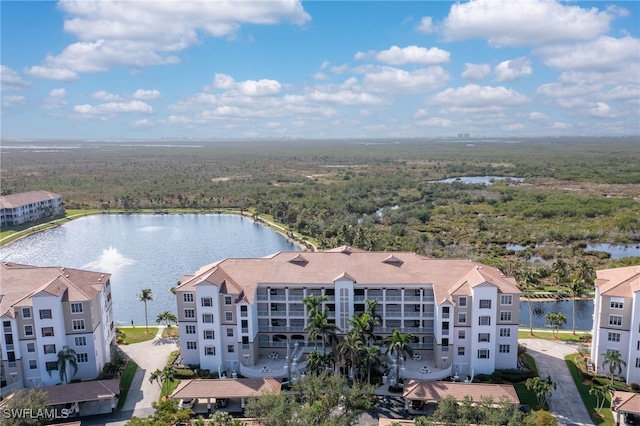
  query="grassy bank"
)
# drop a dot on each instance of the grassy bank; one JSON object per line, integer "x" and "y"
{"x": 125, "y": 383}
{"x": 138, "y": 334}
{"x": 605, "y": 417}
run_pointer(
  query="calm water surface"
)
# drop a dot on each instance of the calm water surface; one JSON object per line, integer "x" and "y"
{"x": 584, "y": 313}
{"x": 146, "y": 251}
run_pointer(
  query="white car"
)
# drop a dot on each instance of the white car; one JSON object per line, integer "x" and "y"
{"x": 186, "y": 403}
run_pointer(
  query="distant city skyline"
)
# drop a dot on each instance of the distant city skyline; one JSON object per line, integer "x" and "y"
{"x": 84, "y": 69}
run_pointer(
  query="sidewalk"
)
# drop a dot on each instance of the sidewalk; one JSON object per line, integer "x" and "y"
{"x": 565, "y": 403}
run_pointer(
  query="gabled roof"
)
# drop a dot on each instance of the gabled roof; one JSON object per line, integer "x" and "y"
{"x": 13, "y": 201}
{"x": 81, "y": 391}
{"x": 363, "y": 267}
{"x": 19, "y": 283}
{"x": 225, "y": 388}
{"x": 619, "y": 282}
{"x": 628, "y": 402}
{"x": 437, "y": 391}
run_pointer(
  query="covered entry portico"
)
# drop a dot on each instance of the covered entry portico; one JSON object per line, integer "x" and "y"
{"x": 208, "y": 391}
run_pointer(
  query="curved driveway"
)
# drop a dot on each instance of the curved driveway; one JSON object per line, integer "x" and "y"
{"x": 565, "y": 403}
{"x": 150, "y": 355}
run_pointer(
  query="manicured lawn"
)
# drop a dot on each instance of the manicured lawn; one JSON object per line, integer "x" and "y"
{"x": 138, "y": 334}
{"x": 125, "y": 383}
{"x": 526, "y": 396}
{"x": 590, "y": 401}
{"x": 563, "y": 335}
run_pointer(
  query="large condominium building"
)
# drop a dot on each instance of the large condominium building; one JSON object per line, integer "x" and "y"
{"x": 43, "y": 309}
{"x": 616, "y": 319}
{"x": 463, "y": 314}
{"x": 16, "y": 209}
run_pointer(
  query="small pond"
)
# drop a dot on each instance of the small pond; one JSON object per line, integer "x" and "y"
{"x": 584, "y": 313}
{"x": 485, "y": 180}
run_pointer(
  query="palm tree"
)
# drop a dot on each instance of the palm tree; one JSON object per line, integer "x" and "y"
{"x": 370, "y": 358}
{"x": 371, "y": 305}
{"x": 363, "y": 326}
{"x": 350, "y": 349}
{"x": 543, "y": 388}
{"x": 164, "y": 378}
{"x": 400, "y": 344}
{"x": 600, "y": 392}
{"x": 560, "y": 269}
{"x": 67, "y": 356}
{"x": 319, "y": 326}
{"x": 555, "y": 320}
{"x": 145, "y": 296}
{"x": 577, "y": 288}
{"x": 614, "y": 361}
{"x": 527, "y": 279}
{"x": 585, "y": 273}
{"x": 313, "y": 304}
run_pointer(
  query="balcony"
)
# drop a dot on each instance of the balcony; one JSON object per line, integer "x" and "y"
{"x": 296, "y": 313}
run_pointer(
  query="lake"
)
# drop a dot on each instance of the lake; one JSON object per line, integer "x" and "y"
{"x": 146, "y": 251}
{"x": 584, "y": 313}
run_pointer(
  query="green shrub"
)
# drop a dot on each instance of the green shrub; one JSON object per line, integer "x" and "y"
{"x": 482, "y": 378}
{"x": 635, "y": 387}
{"x": 513, "y": 375}
{"x": 173, "y": 356}
{"x": 184, "y": 373}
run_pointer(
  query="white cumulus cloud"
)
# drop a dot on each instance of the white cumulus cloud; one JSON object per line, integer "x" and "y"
{"x": 408, "y": 55}
{"x": 10, "y": 80}
{"x": 146, "y": 95}
{"x": 112, "y": 109}
{"x": 475, "y": 95}
{"x": 395, "y": 80}
{"x": 513, "y": 69}
{"x": 475, "y": 72}
{"x": 425, "y": 26}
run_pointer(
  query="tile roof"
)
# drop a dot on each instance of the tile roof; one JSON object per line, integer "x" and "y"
{"x": 619, "y": 282}
{"x": 361, "y": 266}
{"x": 628, "y": 402}
{"x": 17, "y": 200}
{"x": 81, "y": 391}
{"x": 19, "y": 283}
{"x": 436, "y": 391}
{"x": 225, "y": 388}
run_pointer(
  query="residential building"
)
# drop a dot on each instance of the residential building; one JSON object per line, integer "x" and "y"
{"x": 463, "y": 314}
{"x": 16, "y": 209}
{"x": 616, "y": 319}
{"x": 43, "y": 309}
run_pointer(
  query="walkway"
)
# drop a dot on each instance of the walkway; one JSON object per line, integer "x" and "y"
{"x": 150, "y": 355}
{"x": 565, "y": 403}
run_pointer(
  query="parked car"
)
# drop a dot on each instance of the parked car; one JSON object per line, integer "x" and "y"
{"x": 187, "y": 403}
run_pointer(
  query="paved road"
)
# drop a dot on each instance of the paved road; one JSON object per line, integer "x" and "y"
{"x": 149, "y": 355}
{"x": 565, "y": 402}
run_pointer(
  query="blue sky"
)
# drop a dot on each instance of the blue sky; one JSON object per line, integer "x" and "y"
{"x": 144, "y": 69}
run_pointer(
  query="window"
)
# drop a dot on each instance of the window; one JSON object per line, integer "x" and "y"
{"x": 47, "y": 331}
{"x": 445, "y": 312}
{"x": 190, "y": 329}
{"x": 206, "y": 301}
{"x": 638, "y": 348}
{"x": 33, "y": 364}
{"x": 187, "y": 297}
{"x": 209, "y": 350}
{"x": 613, "y": 337}
{"x": 462, "y": 317}
{"x": 45, "y": 314}
{"x": 49, "y": 349}
{"x": 506, "y": 299}
{"x": 31, "y": 347}
{"x": 76, "y": 308}
{"x": 229, "y": 332}
{"x": 483, "y": 337}
{"x": 208, "y": 334}
{"x": 82, "y": 358}
{"x": 208, "y": 318}
{"x": 461, "y": 350}
{"x": 81, "y": 341}
{"x": 445, "y": 345}
{"x": 26, "y": 313}
{"x": 505, "y": 316}
{"x": 28, "y": 330}
{"x": 505, "y": 332}
{"x": 227, "y": 300}
{"x": 231, "y": 349}
{"x": 504, "y": 349}
{"x": 243, "y": 311}
{"x": 462, "y": 334}
{"x": 637, "y": 362}
{"x": 462, "y": 301}
{"x": 617, "y": 303}
{"x": 485, "y": 303}
{"x": 51, "y": 366}
{"x": 484, "y": 320}
{"x": 615, "y": 319}
{"x": 78, "y": 324}
{"x": 189, "y": 313}
{"x": 483, "y": 353}
{"x": 228, "y": 316}
{"x": 192, "y": 345}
